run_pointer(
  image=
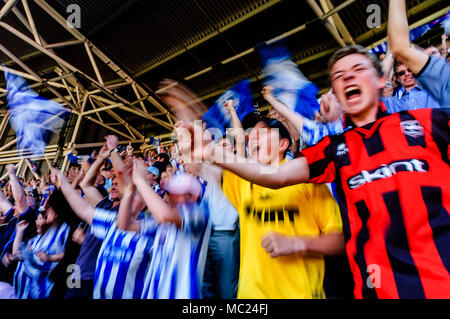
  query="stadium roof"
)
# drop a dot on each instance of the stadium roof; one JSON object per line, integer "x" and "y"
{"x": 107, "y": 69}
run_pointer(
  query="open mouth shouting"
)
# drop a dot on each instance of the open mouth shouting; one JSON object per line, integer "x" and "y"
{"x": 352, "y": 94}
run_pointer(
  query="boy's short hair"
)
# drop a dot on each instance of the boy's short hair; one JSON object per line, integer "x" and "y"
{"x": 355, "y": 49}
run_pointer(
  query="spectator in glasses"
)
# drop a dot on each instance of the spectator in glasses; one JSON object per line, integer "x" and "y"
{"x": 412, "y": 96}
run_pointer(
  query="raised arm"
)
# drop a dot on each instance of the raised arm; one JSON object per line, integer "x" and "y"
{"x": 124, "y": 220}
{"x": 290, "y": 173}
{"x": 77, "y": 179}
{"x": 237, "y": 130}
{"x": 444, "y": 38}
{"x": 293, "y": 132}
{"x": 387, "y": 65}
{"x": 20, "y": 229}
{"x": 116, "y": 160}
{"x": 83, "y": 210}
{"x": 92, "y": 194}
{"x": 160, "y": 210}
{"x": 398, "y": 35}
{"x": 17, "y": 190}
{"x": 5, "y": 205}
{"x": 284, "y": 110}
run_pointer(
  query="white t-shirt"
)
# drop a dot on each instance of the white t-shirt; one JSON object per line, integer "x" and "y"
{"x": 222, "y": 213}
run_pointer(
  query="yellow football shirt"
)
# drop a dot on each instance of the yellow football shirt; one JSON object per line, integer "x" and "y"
{"x": 303, "y": 210}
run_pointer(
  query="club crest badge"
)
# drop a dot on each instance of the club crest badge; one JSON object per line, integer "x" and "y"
{"x": 412, "y": 128}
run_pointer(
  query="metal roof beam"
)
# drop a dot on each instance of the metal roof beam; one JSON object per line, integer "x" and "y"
{"x": 105, "y": 59}
{"x": 57, "y": 59}
{"x": 217, "y": 32}
{"x": 32, "y": 73}
{"x": 337, "y": 22}
{"x": 278, "y": 38}
{"x": 318, "y": 11}
{"x": 7, "y": 7}
{"x": 117, "y": 13}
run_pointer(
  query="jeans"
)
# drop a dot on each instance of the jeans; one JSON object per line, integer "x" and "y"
{"x": 221, "y": 277}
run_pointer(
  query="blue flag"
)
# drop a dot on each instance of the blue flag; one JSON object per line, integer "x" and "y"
{"x": 289, "y": 85}
{"x": 33, "y": 117}
{"x": 73, "y": 158}
{"x": 218, "y": 116}
{"x": 154, "y": 141}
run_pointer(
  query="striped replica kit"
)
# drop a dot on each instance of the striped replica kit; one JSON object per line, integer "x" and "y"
{"x": 392, "y": 179}
{"x": 123, "y": 259}
{"x": 31, "y": 279}
{"x": 178, "y": 255}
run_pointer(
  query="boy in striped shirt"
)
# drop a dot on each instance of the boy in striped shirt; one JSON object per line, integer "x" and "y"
{"x": 123, "y": 259}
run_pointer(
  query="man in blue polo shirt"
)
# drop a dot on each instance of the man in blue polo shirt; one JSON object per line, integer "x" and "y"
{"x": 435, "y": 78}
{"x": 412, "y": 97}
{"x": 432, "y": 73}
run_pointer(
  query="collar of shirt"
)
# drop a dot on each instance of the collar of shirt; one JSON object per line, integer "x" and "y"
{"x": 382, "y": 112}
{"x": 406, "y": 92}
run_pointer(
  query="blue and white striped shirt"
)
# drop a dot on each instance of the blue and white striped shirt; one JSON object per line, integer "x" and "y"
{"x": 31, "y": 279}
{"x": 123, "y": 258}
{"x": 178, "y": 255}
{"x": 314, "y": 131}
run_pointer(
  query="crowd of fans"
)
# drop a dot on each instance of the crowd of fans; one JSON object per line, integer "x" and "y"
{"x": 124, "y": 225}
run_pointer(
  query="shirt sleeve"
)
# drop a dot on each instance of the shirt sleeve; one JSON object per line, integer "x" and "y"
{"x": 322, "y": 168}
{"x": 393, "y": 104}
{"x": 314, "y": 131}
{"x": 435, "y": 78}
{"x": 325, "y": 208}
{"x": 101, "y": 222}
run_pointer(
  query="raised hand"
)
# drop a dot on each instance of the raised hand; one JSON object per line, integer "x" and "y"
{"x": 229, "y": 105}
{"x": 330, "y": 109}
{"x": 183, "y": 103}
{"x": 267, "y": 92}
{"x": 139, "y": 171}
{"x": 112, "y": 141}
{"x": 104, "y": 152}
{"x": 57, "y": 176}
{"x": 130, "y": 150}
